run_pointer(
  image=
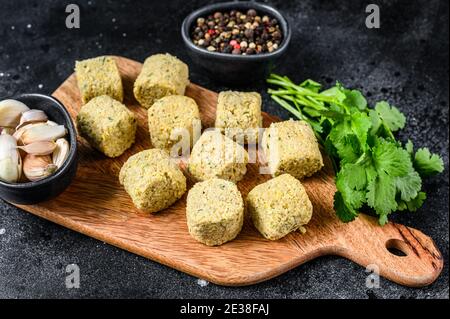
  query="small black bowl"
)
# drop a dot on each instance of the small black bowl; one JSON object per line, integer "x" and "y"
{"x": 50, "y": 187}
{"x": 229, "y": 68}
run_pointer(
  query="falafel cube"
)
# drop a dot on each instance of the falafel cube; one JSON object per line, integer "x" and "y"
{"x": 214, "y": 211}
{"x": 291, "y": 147}
{"x": 238, "y": 115}
{"x": 216, "y": 156}
{"x": 161, "y": 75}
{"x": 279, "y": 206}
{"x": 108, "y": 125}
{"x": 153, "y": 181}
{"x": 169, "y": 118}
{"x": 98, "y": 76}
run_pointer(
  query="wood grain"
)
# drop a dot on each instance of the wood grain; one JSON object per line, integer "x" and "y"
{"x": 96, "y": 205}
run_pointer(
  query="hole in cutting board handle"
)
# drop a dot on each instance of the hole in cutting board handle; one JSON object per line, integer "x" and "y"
{"x": 397, "y": 247}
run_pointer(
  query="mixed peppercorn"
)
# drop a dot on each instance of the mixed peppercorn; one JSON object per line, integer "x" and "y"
{"x": 237, "y": 32}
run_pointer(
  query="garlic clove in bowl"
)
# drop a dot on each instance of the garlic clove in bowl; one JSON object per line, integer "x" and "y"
{"x": 42, "y": 132}
{"x": 39, "y": 148}
{"x": 10, "y": 112}
{"x": 51, "y": 123}
{"x": 61, "y": 152}
{"x": 32, "y": 116}
{"x": 18, "y": 133}
{"x": 10, "y": 161}
{"x": 37, "y": 167}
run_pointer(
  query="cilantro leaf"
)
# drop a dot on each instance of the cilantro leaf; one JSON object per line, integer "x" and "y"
{"x": 394, "y": 173}
{"x": 354, "y": 174}
{"x": 349, "y": 136}
{"x": 382, "y": 220}
{"x": 424, "y": 162}
{"x": 348, "y": 149}
{"x": 390, "y": 115}
{"x": 390, "y": 159}
{"x": 409, "y": 147}
{"x": 344, "y": 141}
{"x": 381, "y": 196}
{"x": 361, "y": 124}
{"x": 345, "y": 213}
{"x": 376, "y": 122}
{"x": 335, "y": 92}
{"x": 350, "y": 182}
{"x": 401, "y": 206}
{"x": 409, "y": 185}
{"x": 414, "y": 204}
{"x": 356, "y": 99}
{"x": 428, "y": 164}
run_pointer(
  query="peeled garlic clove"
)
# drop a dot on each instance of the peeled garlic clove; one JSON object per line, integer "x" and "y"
{"x": 10, "y": 112}
{"x": 61, "y": 152}
{"x": 9, "y": 170}
{"x": 42, "y": 133}
{"x": 39, "y": 148}
{"x": 51, "y": 123}
{"x": 18, "y": 133}
{"x": 32, "y": 116}
{"x": 38, "y": 167}
{"x": 10, "y": 162}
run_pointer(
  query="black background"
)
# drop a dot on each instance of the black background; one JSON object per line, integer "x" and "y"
{"x": 404, "y": 62}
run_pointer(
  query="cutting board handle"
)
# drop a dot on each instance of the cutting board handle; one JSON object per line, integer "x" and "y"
{"x": 401, "y": 254}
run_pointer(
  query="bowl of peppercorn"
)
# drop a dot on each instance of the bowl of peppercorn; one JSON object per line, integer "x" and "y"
{"x": 236, "y": 42}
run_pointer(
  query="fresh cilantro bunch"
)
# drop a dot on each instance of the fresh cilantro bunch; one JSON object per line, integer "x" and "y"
{"x": 373, "y": 168}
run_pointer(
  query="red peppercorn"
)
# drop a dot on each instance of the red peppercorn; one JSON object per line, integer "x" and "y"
{"x": 211, "y": 31}
{"x": 237, "y": 46}
{"x": 233, "y": 42}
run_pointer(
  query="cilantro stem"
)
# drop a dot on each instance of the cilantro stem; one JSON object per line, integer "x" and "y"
{"x": 296, "y": 88}
{"x": 298, "y": 113}
{"x": 288, "y": 107}
{"x": 389, "y": 132}
{"x": 302, "y": 93}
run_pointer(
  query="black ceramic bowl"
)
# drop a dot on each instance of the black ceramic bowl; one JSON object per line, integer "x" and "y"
{"x": 52, "y": 186}
{"x": 229, "y": 68}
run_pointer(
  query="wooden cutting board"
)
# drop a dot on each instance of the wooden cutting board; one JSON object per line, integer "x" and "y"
{"x": 96, "y": 205}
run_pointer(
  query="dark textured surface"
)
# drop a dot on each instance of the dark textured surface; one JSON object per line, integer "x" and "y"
{"x": 405, "y": 62}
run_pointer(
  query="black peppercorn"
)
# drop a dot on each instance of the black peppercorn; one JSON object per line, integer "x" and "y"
{"x": 276, "y": 35}
{"x": 227, "y": 49}
{"x": 248, "y": 33}
{"x": 250, "y": 51}
{"x": 236, "y": 51}
{"x": 251, "y": 12}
